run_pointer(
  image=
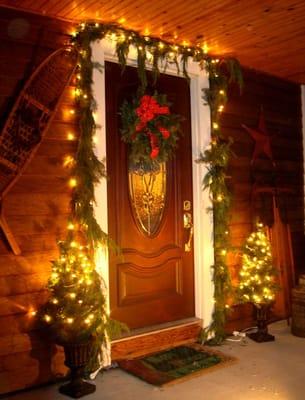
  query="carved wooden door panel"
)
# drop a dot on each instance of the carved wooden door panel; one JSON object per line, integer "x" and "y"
{"x": 152, "y": 281}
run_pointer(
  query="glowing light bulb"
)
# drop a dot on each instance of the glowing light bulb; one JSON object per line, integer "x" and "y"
{"x": 70, "y": 136}
{"x": 68, "y": 161}
{"x": 47, "y": 318}
{"x": 215, "y": 125}
{"x": 72, "y": 182}
{"x": 205, "y": 48}
{"x": 70, "y": 320}
{"x": 71, "y": 226}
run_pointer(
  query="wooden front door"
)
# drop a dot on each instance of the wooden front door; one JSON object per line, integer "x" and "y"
{"x": 152, "y": 281}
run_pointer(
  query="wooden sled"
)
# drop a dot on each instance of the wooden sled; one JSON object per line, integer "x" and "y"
{"x": 28, "y": 122}
{"x": 280, "y": 236}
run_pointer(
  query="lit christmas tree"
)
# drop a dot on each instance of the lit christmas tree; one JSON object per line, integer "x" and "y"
{"x": 258, "y": 280}
{"x": 76, "y": 313}
{"x": 257, "y": 275}
{"x": 76, "y": 309}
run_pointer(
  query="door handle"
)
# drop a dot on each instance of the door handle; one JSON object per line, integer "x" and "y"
{"x": 188, "y": 224}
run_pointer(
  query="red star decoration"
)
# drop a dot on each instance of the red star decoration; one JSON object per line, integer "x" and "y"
{"x": 262, "y": 139}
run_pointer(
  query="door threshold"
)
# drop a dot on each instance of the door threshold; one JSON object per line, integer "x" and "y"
{"x": 147, "y": 330}
{"x": 155, "y": 338}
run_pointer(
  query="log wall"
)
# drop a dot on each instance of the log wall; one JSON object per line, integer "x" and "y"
{"x": 281, "y": 103}
{"x": 37, "y": 207}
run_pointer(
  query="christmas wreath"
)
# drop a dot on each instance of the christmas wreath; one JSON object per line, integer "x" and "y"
{"x": 149, "y": 128}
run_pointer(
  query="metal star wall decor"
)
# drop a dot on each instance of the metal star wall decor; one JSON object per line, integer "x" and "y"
{"x": 262, "y": 139}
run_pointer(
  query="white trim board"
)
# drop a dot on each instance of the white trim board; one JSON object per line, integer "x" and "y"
{"x": 104, "y": 50}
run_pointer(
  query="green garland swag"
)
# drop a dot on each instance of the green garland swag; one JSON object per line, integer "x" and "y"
{"x": 89, "y": 170}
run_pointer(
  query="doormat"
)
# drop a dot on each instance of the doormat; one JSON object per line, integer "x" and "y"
{"x": 176, "y": 364}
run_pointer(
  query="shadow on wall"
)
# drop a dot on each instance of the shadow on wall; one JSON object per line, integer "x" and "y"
{"x": 50, "y": 359}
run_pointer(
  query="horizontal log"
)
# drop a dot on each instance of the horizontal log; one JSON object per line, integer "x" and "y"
{"x": 17, "y": 324}
{"x": 26, "y": 263}
{"x": 37, "y": 243}
{"x": 39, "y": 184}
{"x": 23, "y": 284}
{"x": 22, "y": 342}
{"x": 27, "y": 204}
{"x": 234, "y": 120}
{"x": 59, "y": 130}
{"x": 22, "y": 303}
{"x": 29, "y": 225}
{"x": 249, "y": 105}
{"x": 51, "y": 165}
{"x": 56, "y": 148}
{"x": 34, "y": 375}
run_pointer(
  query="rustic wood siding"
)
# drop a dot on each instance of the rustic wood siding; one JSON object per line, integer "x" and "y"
{"x": 36, "y": 209}
{"x": 281, "y": 104}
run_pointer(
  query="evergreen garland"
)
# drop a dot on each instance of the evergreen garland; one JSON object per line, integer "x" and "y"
{"x": 89, "y": 170}
{"x": 216, "y": 157}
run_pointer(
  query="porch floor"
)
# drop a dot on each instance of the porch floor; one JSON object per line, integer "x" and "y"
{"x": 274, "y": 370}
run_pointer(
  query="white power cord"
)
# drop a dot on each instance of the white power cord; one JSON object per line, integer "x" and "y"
{"x": 240, "y": 336}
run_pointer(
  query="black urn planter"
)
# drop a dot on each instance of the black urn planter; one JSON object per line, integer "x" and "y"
{"x": 261, "y": 335}
{"x": 76, "y": 358}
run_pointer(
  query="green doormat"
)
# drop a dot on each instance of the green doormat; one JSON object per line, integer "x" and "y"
{"x": 176, "y": 364}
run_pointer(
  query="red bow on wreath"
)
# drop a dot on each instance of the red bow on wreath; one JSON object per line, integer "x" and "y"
{"x": 147, "y": 111}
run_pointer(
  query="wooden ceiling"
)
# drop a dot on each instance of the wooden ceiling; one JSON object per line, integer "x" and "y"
{"x": 267, "y": 35}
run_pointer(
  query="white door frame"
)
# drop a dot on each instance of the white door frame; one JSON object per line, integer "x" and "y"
{"x": 104, "y": 50}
